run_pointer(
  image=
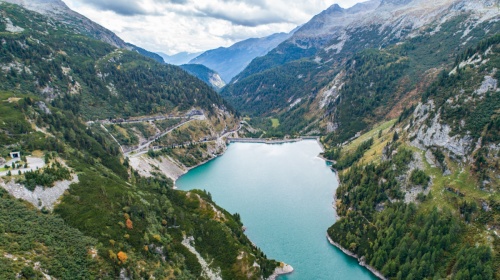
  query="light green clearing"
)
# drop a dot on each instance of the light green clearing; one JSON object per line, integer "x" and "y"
{"x": 275, "y": 122}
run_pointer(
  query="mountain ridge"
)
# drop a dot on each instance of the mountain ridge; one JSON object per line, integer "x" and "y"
{"x": 179, "y": 58}
{"x": 58, "y": 10}
{"x": 438, "y": 161}
{"x": 228, "y": 62}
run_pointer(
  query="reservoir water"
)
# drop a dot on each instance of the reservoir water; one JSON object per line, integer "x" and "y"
{"x": 284, "y": 194}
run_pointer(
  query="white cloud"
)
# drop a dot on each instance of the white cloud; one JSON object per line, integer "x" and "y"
{"x": 173, "y": 26}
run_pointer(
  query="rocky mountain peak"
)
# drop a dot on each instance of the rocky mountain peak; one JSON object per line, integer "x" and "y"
{"x": 395, "y": 2}
{"x": 335, "y": 8}
{"x": 41, "y": 6}
{"x": 394, "y": 18}
{"x": 364, "y": 6}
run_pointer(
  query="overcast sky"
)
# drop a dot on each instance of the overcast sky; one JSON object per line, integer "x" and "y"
{"x": 173, "y": 26}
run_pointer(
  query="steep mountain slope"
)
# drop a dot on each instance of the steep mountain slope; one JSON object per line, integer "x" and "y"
{"x": 96, "y": 82}
{"x": 57, "y": 10}
{"x": 419, "y": 195}
{"x": 312, "y": 78}
{"x": 88, "y": 214}
{"x": 205, "y": 74}
{"x": 179, "y": 58}
{"x": 228, "y": 62}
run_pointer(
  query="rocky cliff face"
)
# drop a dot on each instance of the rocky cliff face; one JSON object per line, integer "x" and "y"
{"x": 205, "y": 74}
{"x": 460, "y": 113}
{"x": 435, "y": 133}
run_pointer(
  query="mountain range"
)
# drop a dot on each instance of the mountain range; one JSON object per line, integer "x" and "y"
{"x": 228, "y": 62}
{"x": 402, "y": 94}
{"x": 302, "y": 80}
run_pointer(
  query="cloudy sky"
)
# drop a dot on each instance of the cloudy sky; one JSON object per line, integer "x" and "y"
{"x": 173, "y": 26}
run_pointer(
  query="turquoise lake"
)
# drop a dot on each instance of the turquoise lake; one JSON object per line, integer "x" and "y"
{"x": 284, "y": 194}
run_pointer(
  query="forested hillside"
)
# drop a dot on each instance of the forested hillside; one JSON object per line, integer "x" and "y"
{"x": 346, "y": 69}
{"x": 96, "y": 78}
{"x": 96, "y": 217}
{"x": 419, "y": 195}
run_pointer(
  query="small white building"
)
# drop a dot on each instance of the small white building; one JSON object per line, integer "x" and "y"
{"x": 15, "y": 155}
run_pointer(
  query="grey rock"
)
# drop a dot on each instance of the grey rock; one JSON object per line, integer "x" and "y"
{"x": 43, "y": 107}
{"x": 438, "y": 133}
{"x": 488, "y": 84}
{"x": 394, "y": 16}
{"x": 429, "y": 157}
{"x": 486, "y": 207}
{"x": 41, "y": 197}
{"x": 124, "y": 274}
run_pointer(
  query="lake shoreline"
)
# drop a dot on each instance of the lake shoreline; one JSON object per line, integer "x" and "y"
{"x": 280, "y": 270}
{"x": 187, "y": 169}
{"x": 251, "y": 140}
{"x": 361, "y": 260}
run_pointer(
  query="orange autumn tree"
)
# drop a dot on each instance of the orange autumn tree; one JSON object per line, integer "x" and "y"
{"x": 129, "y": 224}
{"x": 122, "y": 256}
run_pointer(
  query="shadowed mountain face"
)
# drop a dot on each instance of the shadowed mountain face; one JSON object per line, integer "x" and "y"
{"x": 103, "y": 81}
{"x": 228, "y": 62}
{"x": 205, "y": 74}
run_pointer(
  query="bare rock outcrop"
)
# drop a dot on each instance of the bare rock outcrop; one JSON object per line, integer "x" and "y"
{"x": 40, "y": 197}
{"x": 437, "y": 134}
